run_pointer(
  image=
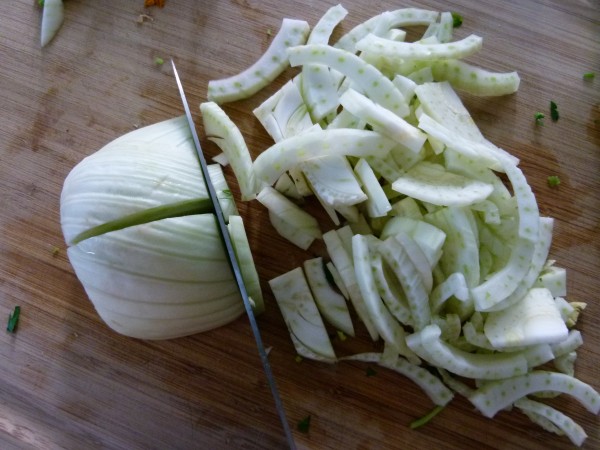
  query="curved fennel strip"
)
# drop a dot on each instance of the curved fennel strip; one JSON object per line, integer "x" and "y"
{"x": 429, "y": 346}
{"x": 376, "y": 204}
{"x": 388, "y": 328}
{"x": 370, "y": 80}
{"x": 382, "y": 23}
{"x": 505, "y": 281}
{"x": 286, "y": 154}
{"x": 272, "y": 63}
{"x": 319, "y": 86}
{"x": 475, "y": 80}
{"x": 343, "y": 262}
{"x": 412, "y": 283}
{"x": 222, "y": 131}
{"x": 52, "y": 19}
{"x": 495, "y": 396}
{"x": 382, "y": 120}
{"x": 536, "y": 411}
{"x": 432, "y": 183}
{"x": 379, "y": 46}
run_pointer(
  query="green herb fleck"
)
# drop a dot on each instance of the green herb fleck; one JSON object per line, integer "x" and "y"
{"x": 41, "y": 2}
{"x": 269, "y": 32}
{"x": 298, "y": 358}
{"x": 159, "y": 61}
{"x": 553, "y": 111}
{"x": 457, "y": 20}
{"x": 589, "y": 75}
{"x": 553, "y": 180}
{"x": 371, "y": 372}
{"x": 13, "y": 320}
{"x": 341, "y": 335}
{"x": 304, "y": 425}
{"x": 539, "y": 118}
{"x": 426, "y": 418}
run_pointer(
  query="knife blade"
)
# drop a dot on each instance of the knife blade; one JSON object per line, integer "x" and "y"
{"x": 234, "y": 265}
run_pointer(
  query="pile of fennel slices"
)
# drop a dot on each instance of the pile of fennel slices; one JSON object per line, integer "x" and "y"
{"x": 431, "y": 251}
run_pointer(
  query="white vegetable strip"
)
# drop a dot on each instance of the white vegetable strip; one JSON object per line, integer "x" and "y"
{"x": 407, "y": 51}
{"x": 453, "y": 286}
{"x": 319, "y": 87}
{"x": 567, "y": 425}
{"x": 300, "y": 312}
{"x": 52, "y": 19}
{"x": 390, "y": 290}
{"x": 475, "y": 80}
{"x": 284, "y": 155}
{"x": 377, "y": 204}
{"x": 370, "y": 80}
{"x": 337, "y": 279}
{"x": 331, "y": 304}
{"x": 333, "y": 179}
{"x": 431, "y": 385}
{"x": 418, "y": 258}
{"x": 428, "y": 345}
{"x": 383, "y": 120}
{"x": 265, "y": 69}
{"x": 416, "y": 294}
{"x": 344, "y": 264}
{"x": 388, "y": 328}
{"x": 431, "y": 183}
{"x": 495, "y": 396}
{"x": 540, "y": 255}
{"x": 294, "y": 223}
{"x": 220, "y": 129}
{"x": 573, "y": 341}
{"x": 473, "y": 150}
{"x": 399, "y": 18}
{"x": 429, "y": 238}
{"x": 243, "y": 253}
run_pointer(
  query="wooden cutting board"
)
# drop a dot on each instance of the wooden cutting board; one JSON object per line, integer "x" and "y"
{"x": 67, "y": 381}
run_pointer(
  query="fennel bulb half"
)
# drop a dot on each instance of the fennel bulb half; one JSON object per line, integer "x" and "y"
{"x": 143, "y": 239}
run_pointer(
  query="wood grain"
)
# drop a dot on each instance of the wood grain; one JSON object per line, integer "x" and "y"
{"x": 67, "y": 381}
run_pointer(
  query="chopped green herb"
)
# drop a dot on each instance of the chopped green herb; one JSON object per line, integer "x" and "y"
{"x": 539, "y": 118}
{"x": 13, "y": 320}
{"x": 426, "y": 418}
{"x": 54, "y": 250}
{"x": 553, "y": 180}
{"x": 457, "y": 20}
{"x": 159, "y": 61}
{"x": 298, "y": 358}
{"x": 304, "y": 424}
{"x": 371, "y": 372}
{"x": 41, "y": 2}
{"x": 589, "y": 75}
{"x": 269, "y": 32}
{"x": 341, "y": 335}
{"x": 553, "y": 111}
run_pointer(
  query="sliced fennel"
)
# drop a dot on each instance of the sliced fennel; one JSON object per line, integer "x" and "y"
{"x": 428, "y": 239}
{"x": 266, "y": 69}
{"x": 300, "y": 313}
{"x": 220, "y": 129}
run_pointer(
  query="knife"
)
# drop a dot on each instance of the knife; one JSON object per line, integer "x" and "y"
{"x": 234, "y": 264}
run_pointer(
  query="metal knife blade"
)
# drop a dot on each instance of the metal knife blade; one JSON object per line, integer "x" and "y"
{"x": 234, "y": 265}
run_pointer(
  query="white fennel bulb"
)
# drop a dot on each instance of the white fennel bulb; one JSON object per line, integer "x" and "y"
{"x": 143, "y": 240}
